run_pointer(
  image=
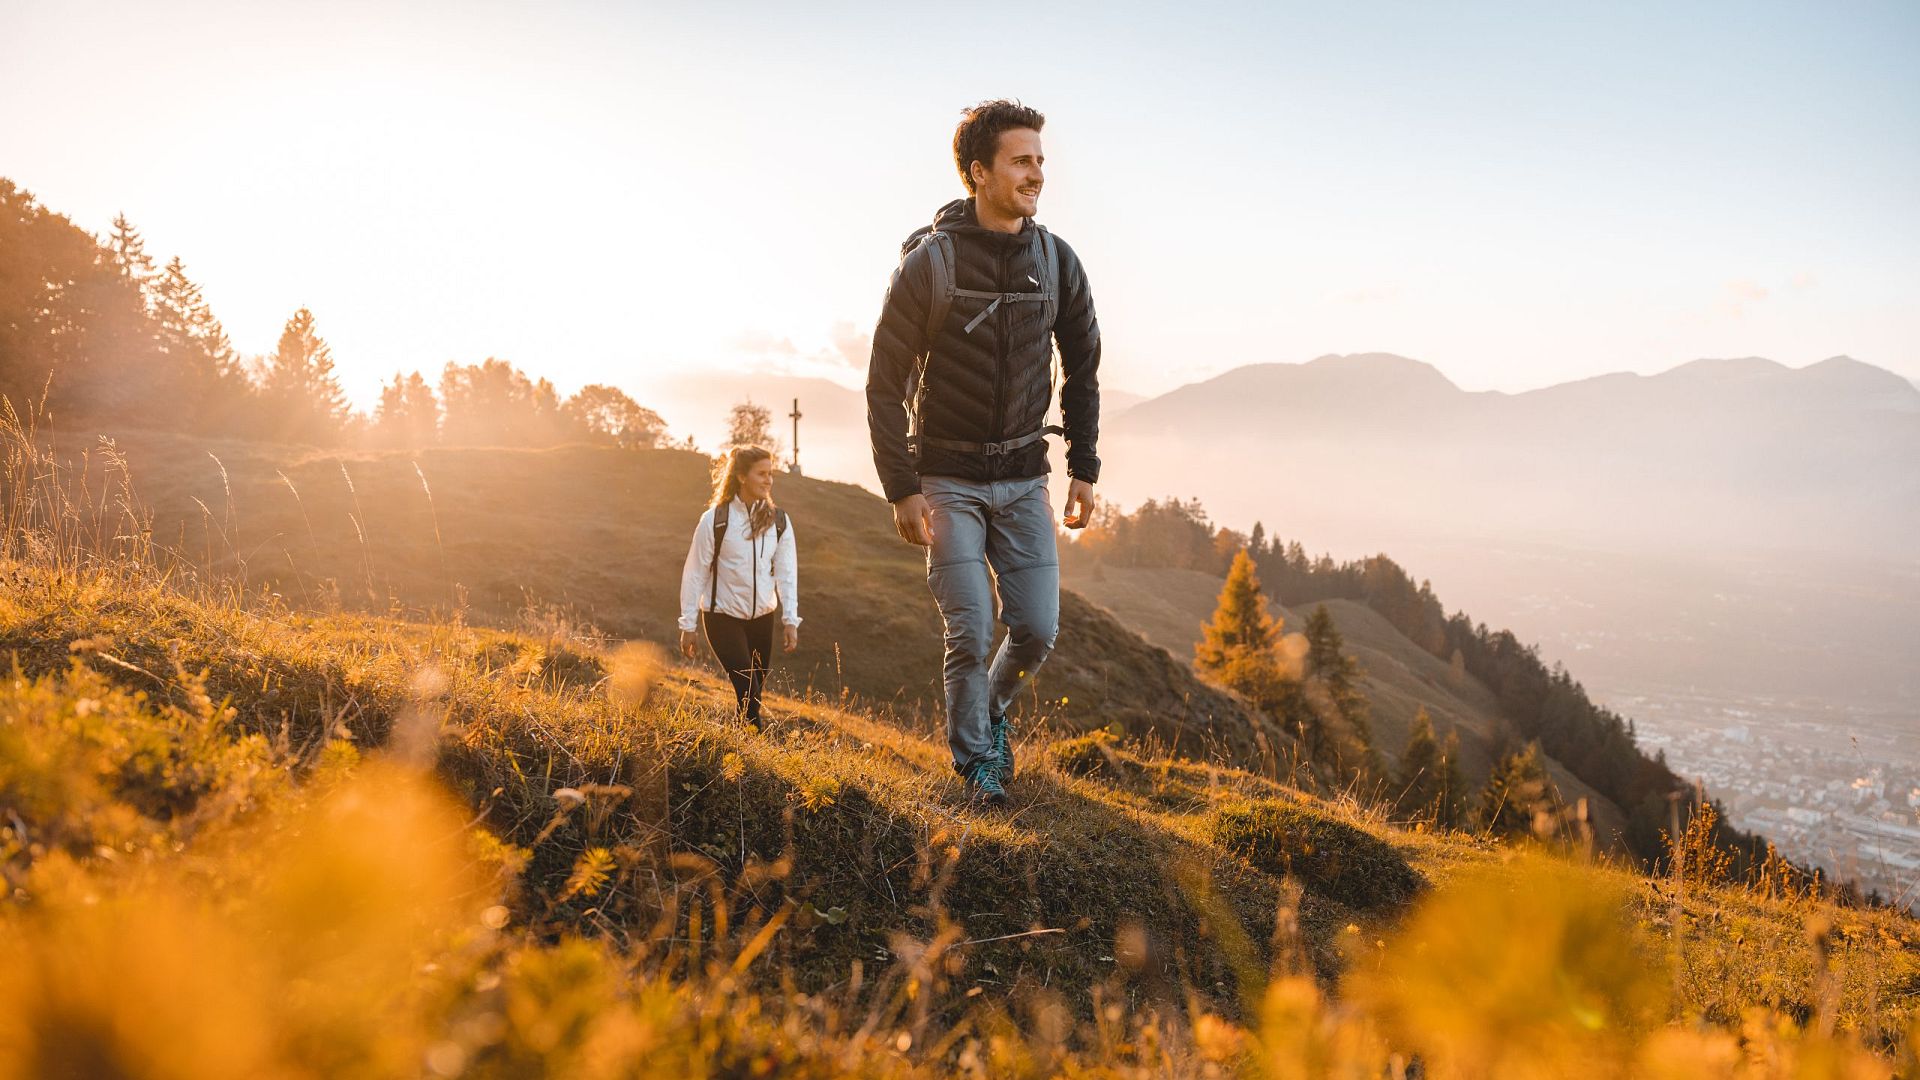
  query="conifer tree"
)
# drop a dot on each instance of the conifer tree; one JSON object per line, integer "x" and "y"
{"x": 299, "y": 387}
{"x": 50, "y": 270}
{"x": 125, "y": 378}
{"x": 1450, "y": 801}
{"x": 1241, "y": 623}
{"x": 1339, "y": 676}
{"x": 1236, "y": 648}
{"x": 200, "y": 375}
{"x": 408, "y": 414}
{"x": 1418, "y": 781}
{"x": 493, "y": 403}
{"x": 128, "y": 252}
{"x": 1516, "y": 789}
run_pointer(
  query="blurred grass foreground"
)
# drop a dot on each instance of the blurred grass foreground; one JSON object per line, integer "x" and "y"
{"x": 244, "y": 840}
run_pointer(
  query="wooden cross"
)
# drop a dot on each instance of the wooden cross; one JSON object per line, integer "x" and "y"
{"x": 794, "y": 466}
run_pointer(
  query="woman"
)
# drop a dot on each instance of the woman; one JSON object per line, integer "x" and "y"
{"x": 741, "y": 569}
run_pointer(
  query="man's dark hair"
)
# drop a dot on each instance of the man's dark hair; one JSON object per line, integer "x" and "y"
{"x": 978, "y": 136}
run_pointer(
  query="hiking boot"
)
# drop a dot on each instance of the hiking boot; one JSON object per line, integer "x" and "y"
{"x": 1002, "y": 733}
{"x": 983, "y": 783}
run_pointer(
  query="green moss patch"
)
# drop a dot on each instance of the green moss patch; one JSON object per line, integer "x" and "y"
{"x": 1330, "y": 857}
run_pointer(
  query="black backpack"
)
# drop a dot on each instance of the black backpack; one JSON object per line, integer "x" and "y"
{"x": 720, "y": 533}
{"x": 939, "y": 245}
{"x": 941, "y": 291}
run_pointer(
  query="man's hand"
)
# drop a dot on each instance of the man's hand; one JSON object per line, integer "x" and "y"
{"x": 689, "y": 643}
{"x": 1079, "y": 505}
{"x": 913, "y": 520}
{"x": 789, "y": 637}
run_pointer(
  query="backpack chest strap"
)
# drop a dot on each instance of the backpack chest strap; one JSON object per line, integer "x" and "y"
{"x": 998, "y": 298}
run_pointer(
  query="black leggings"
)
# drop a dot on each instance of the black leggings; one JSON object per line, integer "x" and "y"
{"x": 743, "y": 647}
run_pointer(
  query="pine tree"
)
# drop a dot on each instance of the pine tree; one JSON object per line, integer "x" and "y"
{"x": 128, "y": 252}
{"x": 408, "y": 414}
{"x": 50, "y": 272}
{"x": 1241, "y": 623}
{"x": 299, "y": 387}
{"x": 126, "y": 376}
{"x": 200, "y": 375}
{"x": 494, "y": 403}
{"x": 1237, "y": 647}
{"x": 1338, "y": 676}
{"x": 1326, "y": 653}
{"x": 1419, "y": 779}
{"x": 1450, "y": 800}
{"x": 1515, "y": 791}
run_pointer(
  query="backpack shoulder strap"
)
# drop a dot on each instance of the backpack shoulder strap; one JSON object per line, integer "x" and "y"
{"x": 720, "y": 515}
{"x": 1050, "y": 259}
{"x": 939, "y": 248}
{"x": 779, "y": 524}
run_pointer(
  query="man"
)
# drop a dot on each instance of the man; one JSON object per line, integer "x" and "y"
{"x": 958, "y": 391}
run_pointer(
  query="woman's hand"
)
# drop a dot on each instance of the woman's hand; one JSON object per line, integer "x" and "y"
{"x": 789, "y": 637}
{"x": 689, "y": 643}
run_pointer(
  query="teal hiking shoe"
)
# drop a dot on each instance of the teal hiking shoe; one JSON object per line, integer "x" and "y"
{"x": 1002, "y": 745}
{"x": 983, "y": 783}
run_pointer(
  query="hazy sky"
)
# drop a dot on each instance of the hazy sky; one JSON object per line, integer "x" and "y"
{"x": 1519, "y": 194}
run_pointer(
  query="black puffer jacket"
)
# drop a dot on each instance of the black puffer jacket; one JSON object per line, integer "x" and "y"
{"x": 994, "y": 384}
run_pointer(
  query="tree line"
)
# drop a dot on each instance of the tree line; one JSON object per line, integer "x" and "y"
{"x": 96, "y": 330}
{"x": 1309, "y": 685}
{"x": 1544, "y": 709}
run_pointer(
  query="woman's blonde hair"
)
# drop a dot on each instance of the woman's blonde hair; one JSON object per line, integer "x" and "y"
{"x": 727, "y": 472}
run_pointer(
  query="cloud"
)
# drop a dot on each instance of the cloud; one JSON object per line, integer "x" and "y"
{"x": 852, "y": 346}
{"x": 1740, "y": 293}
{"x": 840, "y": 355}
{"x": 754, "y": 341}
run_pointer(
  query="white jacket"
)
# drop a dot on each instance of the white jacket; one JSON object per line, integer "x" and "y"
{"x": 757, "y": 573}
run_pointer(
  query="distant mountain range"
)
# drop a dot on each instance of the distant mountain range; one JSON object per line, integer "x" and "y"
{"x": 1745, "y": 453}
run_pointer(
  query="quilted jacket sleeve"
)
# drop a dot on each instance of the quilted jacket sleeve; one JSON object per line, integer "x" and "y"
{"x": 1077, "y": 332}
{"x": 898, "y": 341}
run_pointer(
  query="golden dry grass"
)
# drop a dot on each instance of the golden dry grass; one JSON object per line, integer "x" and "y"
{"x": 240, "y": 839}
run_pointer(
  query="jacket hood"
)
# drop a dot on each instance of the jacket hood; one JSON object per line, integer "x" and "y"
{"x": 959, "y": 216}
{"x": 956, "y": 215}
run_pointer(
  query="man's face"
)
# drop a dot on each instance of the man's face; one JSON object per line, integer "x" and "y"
{"x": 1012, "y": 186}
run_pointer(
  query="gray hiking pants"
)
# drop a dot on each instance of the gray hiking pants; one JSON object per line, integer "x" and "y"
{"x": 1006, "y": 525}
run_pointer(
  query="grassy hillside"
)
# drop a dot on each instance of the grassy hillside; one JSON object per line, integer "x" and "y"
{"x": 1167, "y": 606}
{"x": 239, "y": 813}
{"x": 597, "y": 536}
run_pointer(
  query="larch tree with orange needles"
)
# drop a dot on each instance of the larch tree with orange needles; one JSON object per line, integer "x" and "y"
{"x": 1238, "y": 648}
